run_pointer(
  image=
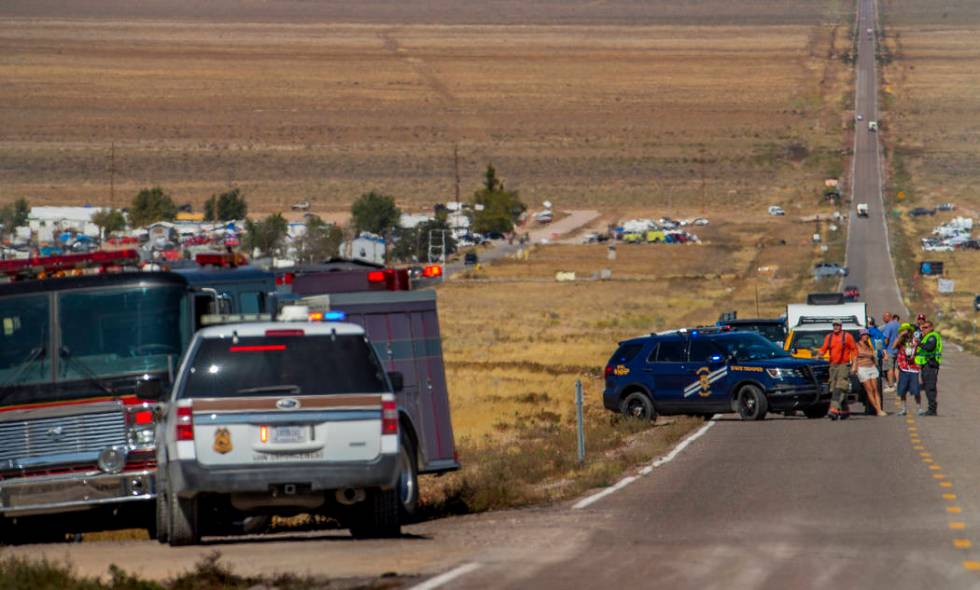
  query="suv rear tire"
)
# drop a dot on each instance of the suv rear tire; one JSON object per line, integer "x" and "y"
{"x": 183, "y": 528}
{"x": 752, "y": 403}
{"x": 378, "y": 516}
{"x": 408, "y": 478}
{"x": 638, "y": 405}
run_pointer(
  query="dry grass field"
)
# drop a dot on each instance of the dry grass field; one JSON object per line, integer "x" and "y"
{"x": 933, "y": 138}
{"x": 323, "y": 108}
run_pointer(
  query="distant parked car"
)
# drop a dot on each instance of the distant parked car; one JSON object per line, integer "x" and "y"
{"x": 946, "y": 207}
{"x": 301, "y": 206}
{"x": 976, "y": 303}
{"x": 470, "y": 259}
{"x": 852, "y": 293}
{"x": 862, "y": 209}
{"x": 494, "y": 235}
{"x": 921, "y": 211}
{"x": 823, "y": 270}
{"x": 776, "y": 210}
{"x": 872, "y": 125}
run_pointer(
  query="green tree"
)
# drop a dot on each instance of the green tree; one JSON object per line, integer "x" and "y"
{"x": 227, "y": 206}
{"x": 495, "y": 208}
{"x": 321, "y": 241}
{"x": 109, "y": 220}
{"x": 151, "y": 205}
{"x": 374, "y": 212}
{"x": 266, "y": 235}
{"x": 14, "y": 215}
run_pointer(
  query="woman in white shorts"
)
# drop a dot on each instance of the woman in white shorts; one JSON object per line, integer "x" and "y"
{"x": 866, "y": 367}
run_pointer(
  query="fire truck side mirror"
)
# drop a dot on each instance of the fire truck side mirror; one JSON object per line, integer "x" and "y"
{"x": 149, "y": 389}
{"x": 397, "y": 381}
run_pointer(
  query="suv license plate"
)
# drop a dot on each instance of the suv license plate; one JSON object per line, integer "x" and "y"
{"x": 289, "y": 434}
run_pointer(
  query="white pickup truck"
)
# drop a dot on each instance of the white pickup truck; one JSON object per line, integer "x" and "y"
{"x": 862, "y": 209}
{"x": 282, "y": 418}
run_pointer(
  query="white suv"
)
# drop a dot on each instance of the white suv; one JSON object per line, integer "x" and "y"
{"x": 282, "y": 418}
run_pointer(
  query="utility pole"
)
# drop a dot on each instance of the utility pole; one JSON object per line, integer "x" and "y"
{"x": 704, "y": 185}
{"x": 112, "y": 174}
{"x": 456, "y": 172}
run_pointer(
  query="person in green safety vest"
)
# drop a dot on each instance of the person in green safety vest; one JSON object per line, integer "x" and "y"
{"x": 929, "y": 356}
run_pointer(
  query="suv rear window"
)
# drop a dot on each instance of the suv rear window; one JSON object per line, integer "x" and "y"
{"x": 290, "y": 365}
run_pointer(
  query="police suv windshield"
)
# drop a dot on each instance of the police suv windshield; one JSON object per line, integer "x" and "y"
{"x": 749, "y": 347}
{"x": 287, "y": 365}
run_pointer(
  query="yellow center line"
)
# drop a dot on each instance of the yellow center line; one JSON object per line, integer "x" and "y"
{"x": 949, "y": 496}
{"x": 957, "y": 526}
{"x": 972, "y": 565}
{"x": 917, "y": 441}
{"x": 927, "y": 460}
{"x": 935, "y": 467}
{"x": 945, "y": 484}
{"x": 925, "y": 454}
{"x": 918, "y": 447}
{"x": 954, "y": 509}
{"x": 962, "y": 543}
{"x": 938, "y": 476}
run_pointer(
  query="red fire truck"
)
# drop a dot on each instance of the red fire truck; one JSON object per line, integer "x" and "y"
{"x": 77, "y": 333}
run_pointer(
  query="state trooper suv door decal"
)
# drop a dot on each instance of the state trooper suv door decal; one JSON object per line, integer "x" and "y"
{"x": 705, "y": 378}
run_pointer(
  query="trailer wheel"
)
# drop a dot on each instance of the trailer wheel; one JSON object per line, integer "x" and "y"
{"x": 183, "y": 528}
{"x": 408, "y": 477}
{"x": 638, "y": 405}
{"x": 752, "y": 403}
{"x": 377, "y": 516}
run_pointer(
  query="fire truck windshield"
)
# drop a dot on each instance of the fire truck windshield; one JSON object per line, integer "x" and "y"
{"x": 113, "y": 332}
{"x": 101, "y": 334}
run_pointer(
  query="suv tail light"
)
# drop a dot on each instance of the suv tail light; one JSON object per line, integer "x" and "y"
{"x": 389, "y": 417}
{"x": 608, "y": 371}
{"x": 185, "y": 424}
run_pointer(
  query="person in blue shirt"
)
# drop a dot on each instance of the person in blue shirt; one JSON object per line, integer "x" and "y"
{"x": 890, "y": 333}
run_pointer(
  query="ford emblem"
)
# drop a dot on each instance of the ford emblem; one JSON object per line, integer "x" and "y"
{"x": 287, "y": 404}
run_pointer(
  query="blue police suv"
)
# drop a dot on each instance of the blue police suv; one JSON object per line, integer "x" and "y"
{"x": 708, "y": 371}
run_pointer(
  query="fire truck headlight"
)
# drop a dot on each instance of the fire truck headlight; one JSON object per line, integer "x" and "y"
{"x": 112, "y": 459}
{"x": 141, "y": 437}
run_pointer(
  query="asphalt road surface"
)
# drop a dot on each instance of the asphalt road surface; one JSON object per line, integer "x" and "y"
{"x": 868, "y": 503}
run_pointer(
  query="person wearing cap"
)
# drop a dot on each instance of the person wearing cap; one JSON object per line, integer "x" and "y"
{"x": 865, "y": 364}
{"x": 841, "y": 351}
{"x": 929, "y": 356}
{"x": 908, "y": 371}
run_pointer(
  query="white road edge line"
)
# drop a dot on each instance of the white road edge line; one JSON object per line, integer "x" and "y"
{"x": 589, "y": 500}
{"x": 443, "y": 579}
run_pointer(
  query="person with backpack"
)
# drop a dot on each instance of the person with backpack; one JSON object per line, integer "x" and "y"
{"x": 929, "y": 356}
{"x": 841, "y": 351}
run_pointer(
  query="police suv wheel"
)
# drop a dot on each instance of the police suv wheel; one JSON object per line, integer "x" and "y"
{"x": 752, "y": 403}
{"x": 817, "y": 411}
{"x": 638, "y": 405}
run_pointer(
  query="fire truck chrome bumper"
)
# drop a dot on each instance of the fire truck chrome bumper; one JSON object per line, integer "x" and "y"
{"x": 38, "y": 495}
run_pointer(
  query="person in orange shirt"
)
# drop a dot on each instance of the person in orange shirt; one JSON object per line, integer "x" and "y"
{"x": 842, "y": 351}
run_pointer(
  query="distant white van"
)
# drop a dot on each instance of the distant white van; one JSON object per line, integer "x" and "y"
{"x": 872, "y": 125}
{"x": 776, "y": 210}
